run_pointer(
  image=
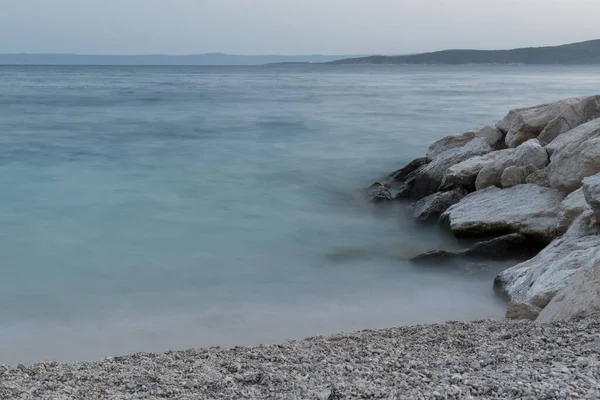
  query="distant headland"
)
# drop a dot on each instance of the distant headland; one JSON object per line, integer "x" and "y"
{"x": 575, "y": 53}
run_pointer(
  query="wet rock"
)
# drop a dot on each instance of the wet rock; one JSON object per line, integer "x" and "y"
{"x": 501, "y": 248}
{"x": 536, "y": 281}
{"x": 432, "y": 206}
{"x": 527, "y": 209}
{"x": 572, "y": 163}
{"x": 513, "y": 175}
{"x": 492, "y": 134}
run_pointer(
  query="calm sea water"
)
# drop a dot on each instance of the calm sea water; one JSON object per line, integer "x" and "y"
{"x": 154, "y": 208}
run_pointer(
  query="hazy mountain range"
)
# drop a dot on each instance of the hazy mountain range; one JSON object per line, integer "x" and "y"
{"x": 576, "y": 53}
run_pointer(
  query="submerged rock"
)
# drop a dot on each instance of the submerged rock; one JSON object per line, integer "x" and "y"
{"x": 434, "y": 205}
{"x": 536, "y": 281}
{"x": 570, "y": 164}
{"x": 501, "y": 248}
{"x": 548, "y": 120}
{"x": 492, "y": 134}
{"x": 527, "y": 209}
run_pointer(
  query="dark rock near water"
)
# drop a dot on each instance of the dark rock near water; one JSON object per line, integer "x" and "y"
{"x": 404, "y": 173}
{"x": 432, "y": 206}
{"x": 539, "y": 178}
{"x": 504, "y": 247}
{"x": 378, "y": 193}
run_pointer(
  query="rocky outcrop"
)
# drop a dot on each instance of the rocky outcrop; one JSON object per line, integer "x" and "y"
{"x": 504, "y": 247}
{"x": 539, "y": 177}
{"x": 529, "y": 153}
{"x": 548, "y": 120}
{"x": 580, "y": 297}
{"x": 432, "y": 206}
{"x": 527, "y": 209}
{"x": 513, "y": 175}
{"x": 575, "y": 136}
{"x": 493, "y": 136}
{"x": 538, "y": 280}
{"x": 591, "y": 191}
{"x": 570, "y": 164}
{"x": 571, "y": 208}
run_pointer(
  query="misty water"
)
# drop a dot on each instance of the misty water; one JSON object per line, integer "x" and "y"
{"x": 155, "y": 208}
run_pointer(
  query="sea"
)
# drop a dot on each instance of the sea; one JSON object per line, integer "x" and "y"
{"x": 145, "y": 208}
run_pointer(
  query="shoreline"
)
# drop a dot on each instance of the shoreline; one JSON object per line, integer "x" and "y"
{"x": 456, "y": 360}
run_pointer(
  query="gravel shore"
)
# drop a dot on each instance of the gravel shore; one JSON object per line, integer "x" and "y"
{"x": 454, "y": 360}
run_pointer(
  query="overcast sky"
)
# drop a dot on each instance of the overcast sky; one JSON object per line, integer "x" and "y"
{"x": 290, "y": 26}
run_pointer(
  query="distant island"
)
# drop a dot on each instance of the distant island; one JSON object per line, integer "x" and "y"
{"x": 576, "y": 53}
{"x": 159, "y": 59}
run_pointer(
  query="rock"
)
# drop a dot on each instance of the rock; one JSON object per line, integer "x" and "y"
{"x": 591, "y": 191}
{"x": 570, "y": 164}
{"x": 520, "y": 310}
{"x": 501, "y": 248}
{"x": 523, "y": 124}
{"x": 494, "y": 137}
{"x": 580, "y": 297}
{"x": 571, "y": 208}
{"x": 464, "y": 173}
{"x": 527, "y": 209}
{"x": 536, "y": 281}
{"x": 434, "y": 205}
{"x": 428, "y": 178}
{"x": 529, "y": 153}
{"x": 402, "y": 174}
{"x": 378, "y": 193}
{"x": 577, "y": 135}
{"x": 573, "y": 115}
{"x": 539, "y": 177}
{"x": 513, "y": 175}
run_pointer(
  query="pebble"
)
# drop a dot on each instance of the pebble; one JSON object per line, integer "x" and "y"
{"x": 453, "y": 360}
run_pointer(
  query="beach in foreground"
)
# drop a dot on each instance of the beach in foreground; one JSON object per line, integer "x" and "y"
{"x": 453, "y": 360}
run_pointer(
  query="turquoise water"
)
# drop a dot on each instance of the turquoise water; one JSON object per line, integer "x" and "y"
{"x": 154, "y": 208}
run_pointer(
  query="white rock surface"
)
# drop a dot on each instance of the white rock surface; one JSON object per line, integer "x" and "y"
{"x": 579, "y": 298}
{"x": 523, "y": 124}
{"x": 591, "y": 191}
{"x": 577, "y": 136}
{"x": 493, "y": 136}
{"x": 571, "y": 208}
{"x": 528, "y": 153}
{"x": 536, "y": 281}
{"x": 527, "y": 209}
{"x": 464, "y": 173}
{"x": 513, "y": 175}
{"x": 569, "y": 165}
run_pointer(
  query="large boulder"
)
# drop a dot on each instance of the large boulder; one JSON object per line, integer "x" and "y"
{"x": 527, "y": 209}
{"x": 528, "y": 153}
{"x": 571, "y": 208}
{"x": 513, "y": 175}
{"x": 536, "y": 281}
{"x": 427, "y": 179}
{"x": 552, "y": 119}
{"x": 580, "y": 297}
{"x": 434, "y": 205}
{"x": 539, "y": 177}
{"x": 576, "y": 135}
{"x": 493, "y": 136}
{"x": 464, "y": 173}
{"x": 569, "y": 165}
{"x": 591, "y": 191}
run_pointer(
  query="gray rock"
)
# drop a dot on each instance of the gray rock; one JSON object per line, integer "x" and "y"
{"x": 576, "y": 135}
{"x": 494, "y": 137}
{"x": 520, "y": 310}
{"x": 580, "y": 297}
{"x": 527, "y": 209}
{"x": 434, "y": 205}
{"x": 536, "y": 281}
{"x": 464, "y": 173}
{"x": 428, "y": 178}
{"x": 501, "y": 248}
{"x": 591, "y": 191}
{"x": 513, "y": 175}
{"x": 523, "y": 124}
{"x": 572, "y": 163}
{"x": 378, "y": 193}
{"x": 404, "y": 173}
{"x": 528, "y": 153}
{"x": 539, "y": 177}
{"x": 571, "y": 208}
{"x": 573, "y": 115}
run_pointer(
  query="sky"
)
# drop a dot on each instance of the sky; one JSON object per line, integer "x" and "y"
{"x": 336, "y": 27}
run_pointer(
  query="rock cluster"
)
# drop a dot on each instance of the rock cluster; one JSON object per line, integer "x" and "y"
{"x": 536, "y": 175}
